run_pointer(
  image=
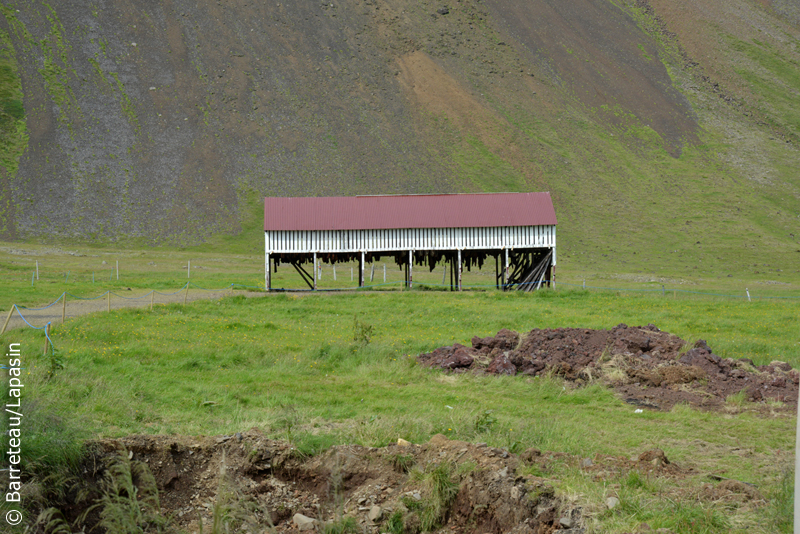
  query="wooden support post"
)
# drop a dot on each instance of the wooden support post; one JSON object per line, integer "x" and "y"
{"x": 8, "y": 318}
{"x": 108, "y": 302}
{"x": 64, "y": 308}
{"x": 410, "y": 269}
{"x": 459, "y": 269}
{"x": 361, "y": 270}
{"x": 497, "y": 271}
{"x": 452, "y": 272}
{"x": 505, "y": 270}
{"x": 267, "y": 274}
{"x": 315, "y": 271}
{"x": 186, "y": 295}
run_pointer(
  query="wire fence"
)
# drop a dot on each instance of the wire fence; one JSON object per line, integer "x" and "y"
{"x": 42, "y": 318}
{"x": 45, "y": 316}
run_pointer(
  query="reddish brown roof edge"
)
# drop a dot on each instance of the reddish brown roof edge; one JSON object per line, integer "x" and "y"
{"x": 373, "y": 212}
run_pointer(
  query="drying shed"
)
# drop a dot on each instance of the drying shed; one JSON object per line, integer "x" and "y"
{"x": 517, "y": 230}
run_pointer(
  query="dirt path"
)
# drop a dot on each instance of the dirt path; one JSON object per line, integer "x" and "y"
{"x": 132, "y": 298}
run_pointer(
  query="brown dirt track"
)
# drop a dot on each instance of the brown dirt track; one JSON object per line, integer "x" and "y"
{"x": 645, "y": 366}
{"x": 138, "y": 298}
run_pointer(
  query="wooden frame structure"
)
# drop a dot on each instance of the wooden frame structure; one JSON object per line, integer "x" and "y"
{"x": 517, "y": 229}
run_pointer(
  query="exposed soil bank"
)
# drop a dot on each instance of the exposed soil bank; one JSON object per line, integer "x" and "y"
{"x": 258, "y": 483}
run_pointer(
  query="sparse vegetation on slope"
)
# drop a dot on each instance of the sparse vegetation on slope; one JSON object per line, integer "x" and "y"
{"x": 663, "y": 132}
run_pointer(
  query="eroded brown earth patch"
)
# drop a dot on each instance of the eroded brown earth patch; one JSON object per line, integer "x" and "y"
{"x": 645, "y": 366}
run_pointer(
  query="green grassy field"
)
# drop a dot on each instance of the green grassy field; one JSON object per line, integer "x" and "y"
{"x": 300, "y": 367}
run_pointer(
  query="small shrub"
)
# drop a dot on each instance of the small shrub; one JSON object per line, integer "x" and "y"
{"x": 403, "y": 462}
{"x": 362, "y": 332}
{"x": 411, "y": 503}
{"x": 485, "y": 422}
{"x": 440, "y": 492}
{"x": 129, "y": 500}
{"x": 394, "y": 525}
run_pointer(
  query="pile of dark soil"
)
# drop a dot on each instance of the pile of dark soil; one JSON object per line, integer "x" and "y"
{"x": 646, "y": 366}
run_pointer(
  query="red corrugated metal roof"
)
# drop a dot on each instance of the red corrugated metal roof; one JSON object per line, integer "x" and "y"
{"x": 409, "y": 211}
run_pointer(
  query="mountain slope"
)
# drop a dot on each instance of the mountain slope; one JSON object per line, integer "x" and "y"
{"x": 665, "y": 131}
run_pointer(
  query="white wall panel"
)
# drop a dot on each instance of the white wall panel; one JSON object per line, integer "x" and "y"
{"x": 412, "y": 239}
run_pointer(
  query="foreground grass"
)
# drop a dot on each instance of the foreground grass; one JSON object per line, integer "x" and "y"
{"x": 289, "y": 364}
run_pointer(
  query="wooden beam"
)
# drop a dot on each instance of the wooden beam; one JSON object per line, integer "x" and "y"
{"x": 459, "y": 270}
{"x": 410, "y": 269}
{"x": 361, "y": 270}
{"x": 267, "y": 276}
{"x": 8, "y": 318}
{"x": 303, "y": 274}
{"x": 505, "y": 269}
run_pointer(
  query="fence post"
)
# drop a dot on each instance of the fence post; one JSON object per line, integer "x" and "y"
{"x": 93, "y": 277}
{"x": 117, "y": 269}
{"x": 351, "y": 273}
{"x": 8, "y": 318}
{"x": 188, "y": 268}
{"x": 46, "y": 340}
{"x": 185, "y": 295}
{"x": 384, "y": 273}
{"x": 108, "y": 301}
{"x": 151, "y": 299}
{"x": 334, "y": 272}
{"x": 444, "y": 274}
{"x": 37, "y": 269}
{"x": 663, "y": 290}
{"x": 33, "y": 275}
{"x": 64, "y": 308}
{"x": 748, "y": 294}
{"x": 584, "y": 283}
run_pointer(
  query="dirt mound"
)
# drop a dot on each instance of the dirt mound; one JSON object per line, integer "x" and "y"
{"x": 252, "y": 482}
{"x": 648, "y": 367}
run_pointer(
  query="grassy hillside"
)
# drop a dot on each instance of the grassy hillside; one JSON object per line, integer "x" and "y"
{"x": 665, "y": 131}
